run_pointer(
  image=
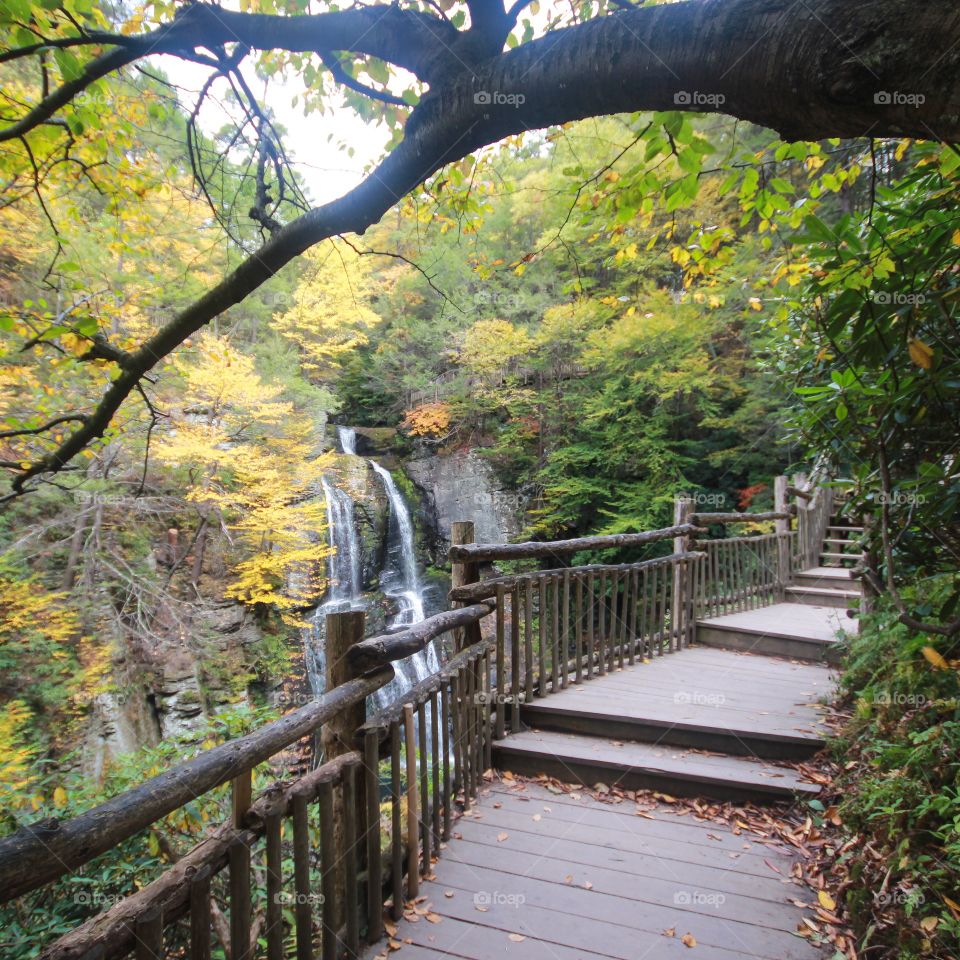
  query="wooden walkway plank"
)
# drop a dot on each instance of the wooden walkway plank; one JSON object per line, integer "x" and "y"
{"x": 715, "y": 699}
{"x": 561, "y": 889}
{"x": 644, "y": 766}
{"x": 653, "y": 863}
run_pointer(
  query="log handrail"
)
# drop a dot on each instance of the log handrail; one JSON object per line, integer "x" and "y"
{"x": 114, "y": 931}
{"x": 42, "y": 852}
{"x": 532, "y": 549}
{"x": 376, "y": 651}
{"x": 488, "y": 588}
{"x": 714, "y": 518}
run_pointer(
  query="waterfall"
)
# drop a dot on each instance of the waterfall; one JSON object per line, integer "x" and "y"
{"x": 343, "y": 578}
{"x": 343, "y": 568}
{"x": 399, "y": 580}
{"x": 348, "y": 440}
{"x": 399, "y": 577}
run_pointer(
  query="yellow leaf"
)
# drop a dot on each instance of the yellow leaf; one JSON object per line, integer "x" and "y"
{"x": 755, "y": 303}
{"x": 929, "y": 924}
{"x": 59, "y": 797}
{"x": 688, "y": 940}
{"x": 921, "y": 354}
{"x": 956, "y": 237}
{"x": 935, "y": 659}
{"x": 826, "y": 901}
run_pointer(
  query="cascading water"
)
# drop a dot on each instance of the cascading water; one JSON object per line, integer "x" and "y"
{"x": 399, "y": 580}
{"x": 348, "y": 440}
{"x": 343, "y": 569}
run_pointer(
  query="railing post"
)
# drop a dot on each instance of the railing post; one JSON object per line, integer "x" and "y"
{"x": 461, "y": 574}
{"x": 682, "y": 611}
{"x": 782, "y": 528}
{"x": 338, "y": 737}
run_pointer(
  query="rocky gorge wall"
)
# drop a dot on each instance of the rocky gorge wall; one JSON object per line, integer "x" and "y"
{"x": 170, "y": 687}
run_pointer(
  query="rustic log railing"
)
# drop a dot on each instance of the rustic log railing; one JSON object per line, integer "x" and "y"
{"x": 359, "y": 832}
{"x": 327, "y": 821}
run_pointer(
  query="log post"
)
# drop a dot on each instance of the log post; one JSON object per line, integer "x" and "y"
{"x": 462, "y": 574}
{"x": 682, "y": 606}
{"x": 338, "y": 736}
{"x": 782, "y": 528}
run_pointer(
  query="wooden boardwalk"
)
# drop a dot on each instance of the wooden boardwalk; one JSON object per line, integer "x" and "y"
{"x": 536, "y": 875}
{"x": 799, "y": 630}
{"x": 541, "y": 874}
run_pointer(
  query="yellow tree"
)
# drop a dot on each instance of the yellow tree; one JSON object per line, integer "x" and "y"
{"x": 250, "y": 461}
{"x": 330, "y": 315}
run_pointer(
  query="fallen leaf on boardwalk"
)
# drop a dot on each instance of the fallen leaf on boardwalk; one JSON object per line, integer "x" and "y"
{"x": 773, "y": 867}
{"x": 391, "y": 929}
{"x": 644, "y": 814}
{"x": 479, "y": 908}
{"x": 537, "y": 816}
{"x": 826, "y": 901}
{"x": 394, "y": 944}
{"x": 497, "y": 806}
{"x": 448, "y": 893}
{"x": 587, "y": 885}
{"x": 670, "y": 932}
{"x": 506, "y": 775}
{"x": 568, "y": 878}
{"x": 688, "y": 940}
{"x": 434, "y": 918}
{"x": 517, "y": 937}
{"x": 502, "y": 836}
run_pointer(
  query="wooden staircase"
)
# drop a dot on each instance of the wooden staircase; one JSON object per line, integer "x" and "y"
{"x": 831, "y": 583}
{"x": 702, "y": 722}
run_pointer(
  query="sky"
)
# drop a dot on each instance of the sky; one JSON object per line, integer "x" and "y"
{"x": 313, "y": 142}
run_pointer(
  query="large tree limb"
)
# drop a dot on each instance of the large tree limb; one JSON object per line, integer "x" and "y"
{"x": 812, "y": 70}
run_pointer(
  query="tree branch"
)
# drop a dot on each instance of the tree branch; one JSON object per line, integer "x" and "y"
{"x": 758, "y": 63}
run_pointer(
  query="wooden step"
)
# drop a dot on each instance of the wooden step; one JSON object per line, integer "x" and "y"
{"x": 636, "y": 766}
{"x": 794, "y": 630}
{"x": 826, "y": 578}
{"x": 844, "y": 528}
{"x": 822, "y": 597}
{"x": 735, "y": 739}
{"x": 825, "y": 554}
{"x": 845, "y": 543}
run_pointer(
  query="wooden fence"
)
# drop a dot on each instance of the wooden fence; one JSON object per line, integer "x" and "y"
{"x": 338, "y": 844}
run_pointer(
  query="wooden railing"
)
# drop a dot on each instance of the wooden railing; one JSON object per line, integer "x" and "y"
{"x": 327, "y": 820}
{"x": 323, "y": 843}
